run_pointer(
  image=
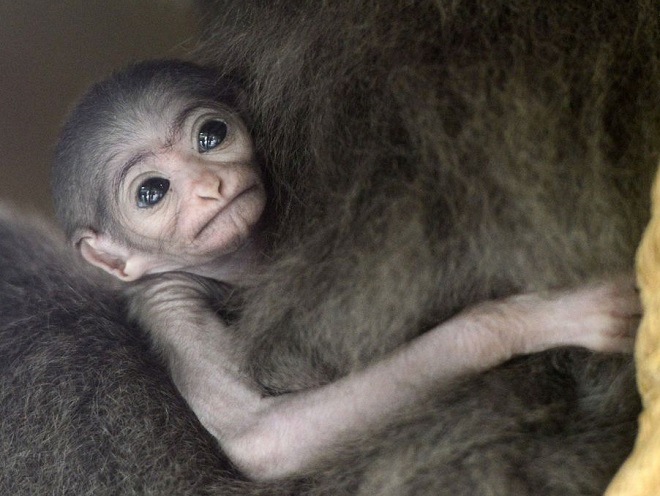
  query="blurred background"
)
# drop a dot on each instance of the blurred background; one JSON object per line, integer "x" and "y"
{"x": 50, "y": 52}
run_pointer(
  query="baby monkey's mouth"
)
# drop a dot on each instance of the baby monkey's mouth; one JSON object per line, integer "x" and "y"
{"x": 223, "y": 209}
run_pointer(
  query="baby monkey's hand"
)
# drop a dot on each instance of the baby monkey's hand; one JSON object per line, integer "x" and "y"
{"x": 600, "y": 316}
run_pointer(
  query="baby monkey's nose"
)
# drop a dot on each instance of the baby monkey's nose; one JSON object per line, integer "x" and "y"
{"x": 206, "y": 184}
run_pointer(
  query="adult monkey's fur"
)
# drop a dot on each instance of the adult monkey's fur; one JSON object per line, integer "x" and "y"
{"x": 424, "y": 156}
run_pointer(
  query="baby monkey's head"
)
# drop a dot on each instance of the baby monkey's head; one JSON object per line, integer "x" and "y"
{"x": 155, "y": 171}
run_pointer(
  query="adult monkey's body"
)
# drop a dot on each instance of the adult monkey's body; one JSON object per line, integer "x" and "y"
{"x": 541, "y": 118}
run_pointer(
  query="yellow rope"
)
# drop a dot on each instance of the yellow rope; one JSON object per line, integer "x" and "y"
{"x": 640, "y": 474}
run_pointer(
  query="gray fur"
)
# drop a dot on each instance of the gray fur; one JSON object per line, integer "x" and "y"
{"x": 424, "y": 156}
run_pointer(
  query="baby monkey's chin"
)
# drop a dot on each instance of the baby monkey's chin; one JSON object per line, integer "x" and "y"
{"x": 233, "y": 266}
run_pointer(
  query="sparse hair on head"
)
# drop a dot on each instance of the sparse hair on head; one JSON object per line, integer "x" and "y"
{"x": 106, "y": 116}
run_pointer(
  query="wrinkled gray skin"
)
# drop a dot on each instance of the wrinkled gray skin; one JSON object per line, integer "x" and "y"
{"x": 423, "y": 157}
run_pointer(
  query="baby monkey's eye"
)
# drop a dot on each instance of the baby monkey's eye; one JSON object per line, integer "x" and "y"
{"x": 211, "y": 134}
{"x": 151, "y": 191}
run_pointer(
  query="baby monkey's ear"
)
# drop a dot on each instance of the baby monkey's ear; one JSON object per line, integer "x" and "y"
{"x": 115, "y": 258}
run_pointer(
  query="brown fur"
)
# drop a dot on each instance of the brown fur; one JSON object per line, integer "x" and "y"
{"x": 463, "y": 152}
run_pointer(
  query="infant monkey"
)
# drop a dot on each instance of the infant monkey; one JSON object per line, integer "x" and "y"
{"x": 155, "y": 181}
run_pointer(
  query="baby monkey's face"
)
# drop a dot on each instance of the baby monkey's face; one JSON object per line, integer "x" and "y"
{"x": 187, "y": 188}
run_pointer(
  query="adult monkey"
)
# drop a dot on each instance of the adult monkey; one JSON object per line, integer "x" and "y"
{"x": 538, "y": 124}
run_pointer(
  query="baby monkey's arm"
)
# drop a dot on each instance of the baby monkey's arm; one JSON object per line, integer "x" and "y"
{"x": 273, "y": 437}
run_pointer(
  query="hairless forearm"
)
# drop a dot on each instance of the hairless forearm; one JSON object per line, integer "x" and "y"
{"x": 272, "y": 437}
